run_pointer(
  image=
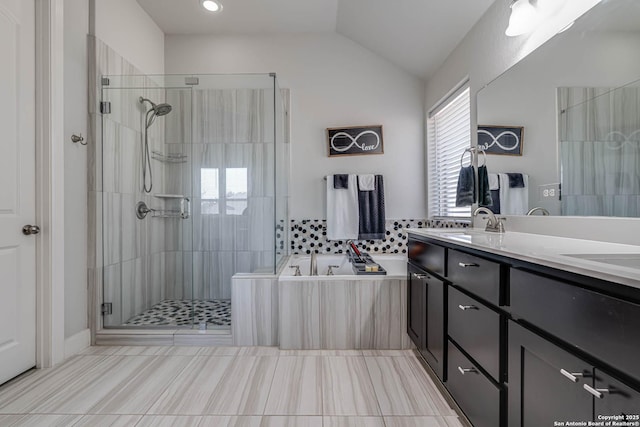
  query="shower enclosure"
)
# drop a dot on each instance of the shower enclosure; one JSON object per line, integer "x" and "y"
{"x": 195, "y": 175}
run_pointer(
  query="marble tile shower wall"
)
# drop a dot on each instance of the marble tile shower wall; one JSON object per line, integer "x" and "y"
{"x": 310, "y": 235}
{"x": 232, "y": 128}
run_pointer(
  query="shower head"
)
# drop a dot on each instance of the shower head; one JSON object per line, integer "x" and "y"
{"x": 158, "y": 109}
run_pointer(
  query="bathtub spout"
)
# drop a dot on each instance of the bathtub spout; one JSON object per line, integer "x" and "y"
{"x": 314, "y": 264}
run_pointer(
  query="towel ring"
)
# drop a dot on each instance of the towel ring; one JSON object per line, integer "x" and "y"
{"x": 471, "y": 153}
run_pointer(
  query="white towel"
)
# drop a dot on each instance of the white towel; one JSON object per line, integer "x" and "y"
{"x": 367, "y": 182}
{"x": 494, "y": 183}
{"x": 342, "y": 210}
{"x": 513, "y": 201}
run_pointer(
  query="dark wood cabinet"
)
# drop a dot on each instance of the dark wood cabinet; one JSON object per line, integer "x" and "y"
{"x": 519, "y": 344}
{"x": 416, "y": 305}
{"x": 426, "y": 308}
{"x": 613, "y": 397}
{"x": 545, "y": 382}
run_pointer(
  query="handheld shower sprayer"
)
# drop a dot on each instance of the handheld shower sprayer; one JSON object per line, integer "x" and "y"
{"x": 156, "y": 110}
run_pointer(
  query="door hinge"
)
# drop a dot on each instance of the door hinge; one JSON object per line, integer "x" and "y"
{"x": 191, "y": 81}
{"x": 105, "y": 107}
{"x": 106, "y": 81}
{"x": 107, "y": 308}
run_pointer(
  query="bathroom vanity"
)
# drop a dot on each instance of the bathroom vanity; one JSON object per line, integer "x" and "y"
{"x": 527, "y": 330}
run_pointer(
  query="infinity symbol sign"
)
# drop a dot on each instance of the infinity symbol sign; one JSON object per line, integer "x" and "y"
{"x": 497, "y": 138}
{"x": 354, "y": 141}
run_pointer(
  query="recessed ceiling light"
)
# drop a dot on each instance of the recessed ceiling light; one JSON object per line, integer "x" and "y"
{"x": 211, "y": 5}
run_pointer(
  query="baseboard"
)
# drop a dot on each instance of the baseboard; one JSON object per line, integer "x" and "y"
{"x": 76, "y": 343}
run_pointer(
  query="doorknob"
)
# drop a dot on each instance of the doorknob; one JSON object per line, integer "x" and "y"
{"x": 28, "y": 230}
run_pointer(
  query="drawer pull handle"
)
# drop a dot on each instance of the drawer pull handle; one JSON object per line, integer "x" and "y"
{"x": 597, "y": 392}
{"x": 466, "y": 370}
{"x": 420, "y": 276}
{"x": 467, "y": 307}
{"x": 467, "y": 264}
{"x": 572, "y": 376}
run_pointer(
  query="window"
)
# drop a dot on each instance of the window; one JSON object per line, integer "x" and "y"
{"x": 228, "y": 197}
{"x": 448, "y": 134}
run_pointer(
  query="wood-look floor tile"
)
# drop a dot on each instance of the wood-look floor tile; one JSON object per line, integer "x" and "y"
{"x": 219, "y": 351}
{"x": 322, "y": 353}
{"x": 346, "y": 387}
{"x": 170, "y": 421}
{"x": 137, "y": 392}
{"x": 403, "y": 388}
{"x": 280, "y": 421}
{"x": 190, "y": 392}
{"x": 387, "y": 353}
{"x": 244, "y": 387}
{"x": 230, "y": 421}
{"x": 99, "y": 350}
{"x": 38, "y": 420}
{"x": 99, "y": 382}
{"x": 353, "y": 422}
{"x": 296, "y": 388}
{"x": 25, "y": 395}
{"x": 108, "y": 421}
{"x": 259, "y": 351}
{"x": 422, "y": 422}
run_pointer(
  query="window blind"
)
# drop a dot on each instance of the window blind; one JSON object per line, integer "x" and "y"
{"x": 448, "y": 134}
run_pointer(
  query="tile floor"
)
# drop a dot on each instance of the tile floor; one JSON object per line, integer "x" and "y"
{"x": 215, "y": 312}
{"x": 227, "y": 386}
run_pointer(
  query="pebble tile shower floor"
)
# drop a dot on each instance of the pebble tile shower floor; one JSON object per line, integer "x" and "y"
{"x": 179, "y": 313}
{"x": 227, "y": 386}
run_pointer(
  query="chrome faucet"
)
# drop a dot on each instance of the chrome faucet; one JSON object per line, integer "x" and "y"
{"x": 494, "y": 224}
{"x": 538, "y": 208}
{"x": 314, "y": 264}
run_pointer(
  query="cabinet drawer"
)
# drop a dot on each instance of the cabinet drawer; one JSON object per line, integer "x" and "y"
{"x": 428, "y": 256}
{"x": 477, "y": 275}
{"x": 601, "y": 325}
{"x": 476, "y": 329}
{"x": 478, "y": 397}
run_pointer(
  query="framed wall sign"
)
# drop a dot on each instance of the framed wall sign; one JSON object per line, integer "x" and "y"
{"x": 355, "y": 140}
{"x": 501, "y": 139}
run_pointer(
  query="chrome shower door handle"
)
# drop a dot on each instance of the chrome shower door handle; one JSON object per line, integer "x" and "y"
{"x": 185, "y": 208}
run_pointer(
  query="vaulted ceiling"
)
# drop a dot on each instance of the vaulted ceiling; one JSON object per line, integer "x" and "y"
{"x": 416, "y": 35}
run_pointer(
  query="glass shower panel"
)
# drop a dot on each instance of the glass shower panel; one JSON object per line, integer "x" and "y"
{"x": 217, "y": 164}
{"x": 144, "y": 231}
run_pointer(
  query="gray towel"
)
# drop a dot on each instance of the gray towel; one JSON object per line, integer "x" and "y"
{"x": 466, "y": 191}
{"x": 371, "y": 212}
{"x": 341, "y": 181}
{"x": 515, "y": 180}
{"x": 484, "y": 192}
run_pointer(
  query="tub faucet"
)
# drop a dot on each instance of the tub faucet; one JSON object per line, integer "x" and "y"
{"x": 314, "y": 264}
{"x": 538, "y": 208}
{"x": 494, "y": 224}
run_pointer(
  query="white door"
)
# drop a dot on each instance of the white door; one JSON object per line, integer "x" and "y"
{"x": 17, "y": 188}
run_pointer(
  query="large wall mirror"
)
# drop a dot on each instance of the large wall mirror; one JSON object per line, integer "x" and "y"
{"x": 578, "y": 99}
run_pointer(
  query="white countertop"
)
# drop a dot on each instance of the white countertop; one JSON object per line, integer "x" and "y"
{"x": 550, "y": 251}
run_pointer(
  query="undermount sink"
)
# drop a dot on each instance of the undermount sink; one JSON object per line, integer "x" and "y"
{"x": 622, "y": 260}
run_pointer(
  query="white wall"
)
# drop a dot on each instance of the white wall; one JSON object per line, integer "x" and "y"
{"x": 128, "y": 29}
{"x": 76, "y": 16}
{"x": 483, "y": 55}
{"x": 334, "y": 82}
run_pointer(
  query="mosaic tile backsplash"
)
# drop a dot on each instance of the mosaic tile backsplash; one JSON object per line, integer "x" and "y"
{"x": 309, "y": 235}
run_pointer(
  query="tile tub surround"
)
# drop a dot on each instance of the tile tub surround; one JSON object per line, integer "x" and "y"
{"x": 561, "y": 253}
{"x": 309, "y": 235}
{"x": 343, "y": 311}
{"x": 227, "y": 386}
